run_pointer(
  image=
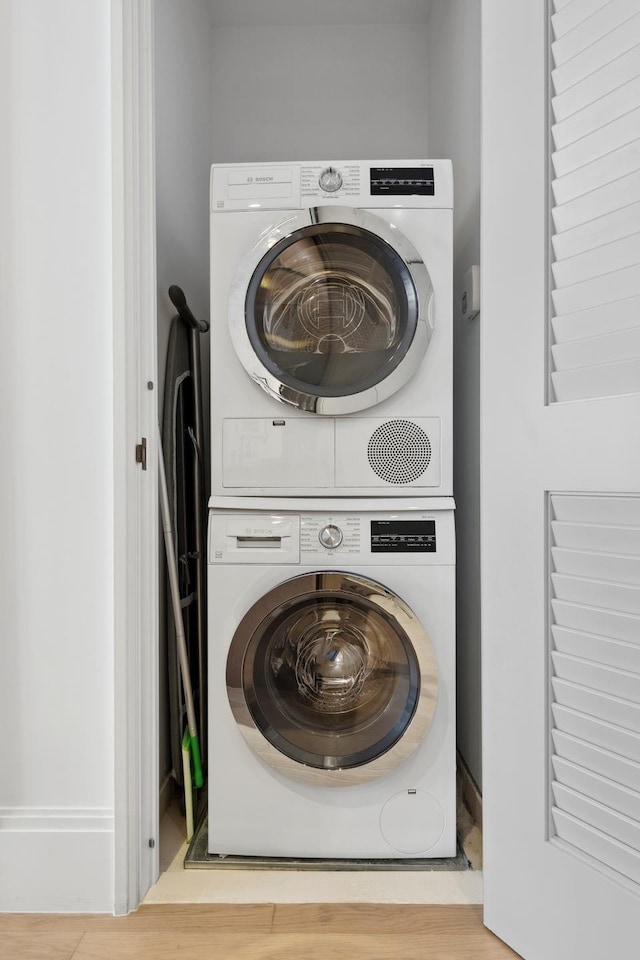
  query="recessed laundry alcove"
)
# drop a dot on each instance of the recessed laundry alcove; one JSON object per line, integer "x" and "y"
{"x": 291, "y": 80}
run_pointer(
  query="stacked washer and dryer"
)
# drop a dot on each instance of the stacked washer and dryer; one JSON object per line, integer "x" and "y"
{"x": 331, "y": 546}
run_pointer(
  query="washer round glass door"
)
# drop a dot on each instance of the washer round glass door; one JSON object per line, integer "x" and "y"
{"x": 332, "y": 310}
{"x": 331, "y": 678}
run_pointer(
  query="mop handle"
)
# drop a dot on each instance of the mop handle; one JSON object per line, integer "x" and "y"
{"x": 175, "y": 593}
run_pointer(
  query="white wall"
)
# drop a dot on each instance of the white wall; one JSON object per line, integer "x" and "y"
{"x": 183, "y": 156}
{"x": 56, "y": 501}
{"x": 296, "y": 92}
{"x": 454, "y": 131}
{"x": 183, "y": 126}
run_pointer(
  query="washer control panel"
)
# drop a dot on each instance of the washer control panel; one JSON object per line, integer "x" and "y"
{"x": 403, "y": 536}
{"x": 380, "y": 538}
{"x": 338, "y": 539}
{"x": 331, "y": 536}
{"x": 325, "y": 535}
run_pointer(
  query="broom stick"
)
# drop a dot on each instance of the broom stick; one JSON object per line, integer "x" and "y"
{"x": 176, "y": 604}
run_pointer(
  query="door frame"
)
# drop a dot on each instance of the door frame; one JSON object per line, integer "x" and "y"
{"x": 135, "y": 413}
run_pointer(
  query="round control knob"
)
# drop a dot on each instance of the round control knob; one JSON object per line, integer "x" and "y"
{"x": 330, "y": 536}
{"x": 330, "y": 179}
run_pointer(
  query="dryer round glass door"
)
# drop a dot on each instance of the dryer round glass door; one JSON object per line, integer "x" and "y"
{"x": 332, "y": 310}
{"x": 331, "y": 678}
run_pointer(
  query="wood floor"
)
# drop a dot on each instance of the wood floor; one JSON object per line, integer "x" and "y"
{"x": 239, "y": 932}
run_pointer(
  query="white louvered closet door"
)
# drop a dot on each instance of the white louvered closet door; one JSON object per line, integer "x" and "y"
{"x": 561, "y": 476}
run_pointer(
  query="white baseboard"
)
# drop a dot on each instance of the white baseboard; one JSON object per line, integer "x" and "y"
{"x": 56, "y": 860}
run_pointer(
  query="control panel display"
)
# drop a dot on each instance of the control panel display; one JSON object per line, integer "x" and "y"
{"x": 402, "y": 181}
{"x": 403, "y": 536}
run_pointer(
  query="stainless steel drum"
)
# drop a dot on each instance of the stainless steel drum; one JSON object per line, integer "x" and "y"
{"x": 332, "y": 311}
{"x": 331, "y": 678}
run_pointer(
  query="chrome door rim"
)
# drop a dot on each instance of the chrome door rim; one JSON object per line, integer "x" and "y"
{"x": 312, "y": 402}
{"x": 395, "y": 611}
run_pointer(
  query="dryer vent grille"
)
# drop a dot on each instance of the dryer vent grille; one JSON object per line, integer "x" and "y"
{"x": 399, "y": 451}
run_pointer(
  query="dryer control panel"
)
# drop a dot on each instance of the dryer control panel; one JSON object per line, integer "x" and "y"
{"x": 355, "y": 183}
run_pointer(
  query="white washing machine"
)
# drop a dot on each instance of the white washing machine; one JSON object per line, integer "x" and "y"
{"x": 332, "y": 678}
{"x": 331, "y": 328}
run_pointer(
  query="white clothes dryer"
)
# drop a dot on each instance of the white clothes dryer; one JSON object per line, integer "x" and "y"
{"x": 331, "y": 328}
{"x": 332, "y": 678}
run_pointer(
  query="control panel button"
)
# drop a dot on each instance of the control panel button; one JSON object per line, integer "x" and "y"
{"x": 330, "y": 536}
{"x": 330, "y": 179}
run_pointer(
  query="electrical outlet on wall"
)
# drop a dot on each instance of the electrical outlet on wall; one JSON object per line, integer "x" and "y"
{"x": 470, "y": 303}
